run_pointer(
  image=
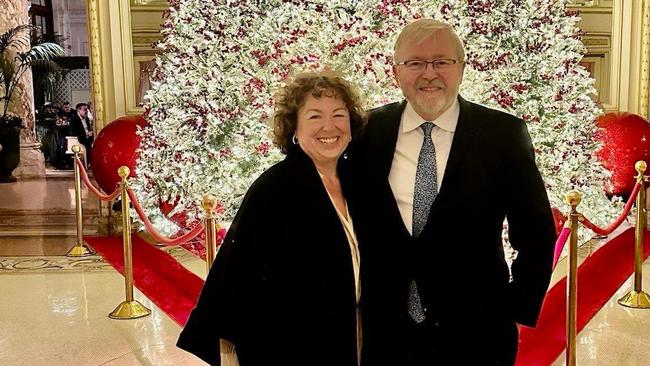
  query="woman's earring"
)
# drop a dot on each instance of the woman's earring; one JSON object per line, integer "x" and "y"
{"x": 294, "y": 139}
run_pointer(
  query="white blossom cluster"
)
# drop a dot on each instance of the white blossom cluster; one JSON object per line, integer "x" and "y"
{"x": 222, "y": 61}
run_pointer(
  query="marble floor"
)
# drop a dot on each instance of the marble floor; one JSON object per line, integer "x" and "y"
{"x": 53, "y": 309}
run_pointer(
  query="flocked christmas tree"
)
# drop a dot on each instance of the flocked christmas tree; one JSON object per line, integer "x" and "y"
{"x": 222, "y": 61}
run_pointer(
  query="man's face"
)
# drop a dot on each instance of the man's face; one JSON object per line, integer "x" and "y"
{"x": 83, "y": 111}
{"x": 66, "y": 108}
{"x": 430, "y": 91}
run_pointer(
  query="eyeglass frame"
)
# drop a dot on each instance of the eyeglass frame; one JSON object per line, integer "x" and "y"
{"x": 433, "y": 64}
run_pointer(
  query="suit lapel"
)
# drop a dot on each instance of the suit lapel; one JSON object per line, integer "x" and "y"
{"x": 466, "y": 130}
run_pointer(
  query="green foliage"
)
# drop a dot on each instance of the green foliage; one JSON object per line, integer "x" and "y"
{"x": 14, "y": 64}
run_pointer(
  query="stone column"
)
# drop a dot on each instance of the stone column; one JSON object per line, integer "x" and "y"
{"x": 32, "y": 163}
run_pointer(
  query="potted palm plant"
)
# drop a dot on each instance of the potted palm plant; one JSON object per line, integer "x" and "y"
{"x": 12, "y": 67}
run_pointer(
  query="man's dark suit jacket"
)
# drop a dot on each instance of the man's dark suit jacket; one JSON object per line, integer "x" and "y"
{"x": 282, "y": 286}
{"x": 458, "y": 261}
{"x": 77, "y": 129}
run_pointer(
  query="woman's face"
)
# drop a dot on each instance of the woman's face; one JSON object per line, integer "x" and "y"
{"x": 323, "y": 129}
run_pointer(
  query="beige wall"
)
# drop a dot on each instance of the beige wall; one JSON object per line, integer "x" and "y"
{"x": 617, "y": 39}
{"x": 597, "y": 24}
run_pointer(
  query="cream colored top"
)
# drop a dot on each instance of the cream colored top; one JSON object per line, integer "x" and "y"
{"x": 227, "y": 349}
{"x": 407, "y": 151}
{"x": 348, "y": 227}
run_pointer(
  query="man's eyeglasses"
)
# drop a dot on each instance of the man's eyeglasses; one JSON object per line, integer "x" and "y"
{"x": 421, "y": 65}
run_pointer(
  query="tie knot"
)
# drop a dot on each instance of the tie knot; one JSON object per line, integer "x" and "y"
{"x": 427, "y": 127}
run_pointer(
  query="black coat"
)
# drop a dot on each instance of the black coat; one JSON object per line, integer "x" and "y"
{"x": 77, "y": 129}
{"x": 282, "y": 286}
{"x": 457, "y": 261}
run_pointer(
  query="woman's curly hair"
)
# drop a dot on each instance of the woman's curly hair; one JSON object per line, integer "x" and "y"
{"x": 293, "y": 95}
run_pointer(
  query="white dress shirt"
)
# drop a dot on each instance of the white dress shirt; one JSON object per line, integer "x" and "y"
{"x": 86, "y": 125}
{"x": 407, "y": 151}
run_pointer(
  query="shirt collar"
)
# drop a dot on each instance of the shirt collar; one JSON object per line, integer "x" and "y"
{"x": 411, "y": 120}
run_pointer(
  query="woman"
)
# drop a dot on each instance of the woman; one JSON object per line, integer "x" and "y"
{"x": 284, "y": 288}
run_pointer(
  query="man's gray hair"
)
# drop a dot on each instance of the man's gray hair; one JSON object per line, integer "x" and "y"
{"x": 422, "y": 29}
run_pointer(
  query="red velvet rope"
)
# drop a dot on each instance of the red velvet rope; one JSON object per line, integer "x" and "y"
{"x": 91, "y": 186}
{"x": 626, "y": 211}
{"x": 196, "y": 230}
{"x": 559, "y": 244}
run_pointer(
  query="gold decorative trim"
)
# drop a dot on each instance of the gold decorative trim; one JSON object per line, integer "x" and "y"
{"x": 127, "y": 58}
{"x": 149, "y": 8}
{"x": 644, "y": 93}
{"x": 588, "y": 41}
{"x": 149, "y": 2}
{"x": 600, "y": 10}
{"x": 145, "y": 40}
{"x": 94, "y": 38}
{"x": 49, "y": 264}
{"x": 576, "y": 3}
{"x": 149, "y": 5}
{"x": 617, "y": 79}
{"x": 589, "y": 4}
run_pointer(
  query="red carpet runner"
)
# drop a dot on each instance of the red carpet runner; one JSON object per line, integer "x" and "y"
{"x": 598, "y": 279}
{"x": 168, "y": 284}
{"x": 175, "y": 290}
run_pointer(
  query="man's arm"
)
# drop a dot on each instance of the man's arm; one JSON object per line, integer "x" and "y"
{"x": 531, "y": 229}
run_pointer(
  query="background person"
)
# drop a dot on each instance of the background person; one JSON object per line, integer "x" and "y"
{"x": 81, "y": 126}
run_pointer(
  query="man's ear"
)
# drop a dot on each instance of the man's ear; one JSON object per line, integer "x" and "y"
{"x": 395, "y": 74}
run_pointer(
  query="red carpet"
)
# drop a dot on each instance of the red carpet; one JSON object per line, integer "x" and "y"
{"x": 156, "y": 274}
{"x": 175, "y": 290}
{"x": 598, "y": 278}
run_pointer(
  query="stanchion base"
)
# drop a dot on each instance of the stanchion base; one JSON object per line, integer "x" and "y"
{"x": 129, "y": 310}
{"x": 80, "y": 250}
{"x": 638, "y": 300}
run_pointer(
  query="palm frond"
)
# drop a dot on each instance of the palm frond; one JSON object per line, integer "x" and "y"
{"x": 43, "y": 51}
{"x": 45, "y": 67}
{"x": 16, "y": 37}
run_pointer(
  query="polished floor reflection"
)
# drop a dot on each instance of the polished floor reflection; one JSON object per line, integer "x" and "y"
{"x": 616, "y": 335}
{"x": 53, "y": 314}
{"x": 54, "y": 310}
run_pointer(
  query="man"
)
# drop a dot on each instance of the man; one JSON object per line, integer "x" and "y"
{"x": 439, "y": 176}
{"x": 81, "y": 127}
{"x": 67, "y": 110}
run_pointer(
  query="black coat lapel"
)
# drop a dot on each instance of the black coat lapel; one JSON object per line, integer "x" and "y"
{"x": 387, "y": 130}
{"x": 466, "y": 130}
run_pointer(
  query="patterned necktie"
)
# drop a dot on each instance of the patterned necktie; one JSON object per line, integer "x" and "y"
{"x": 426, "y": 189}
{"x": 426, "y": 182}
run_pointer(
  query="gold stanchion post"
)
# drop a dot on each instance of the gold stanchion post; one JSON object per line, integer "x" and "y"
{"x": 80, "y": 249}
{"x": 211, "y": 226}
{"x": 637, "y": 298}
{"x": 129, "y": 309}
{"x": 573, "y": 198}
